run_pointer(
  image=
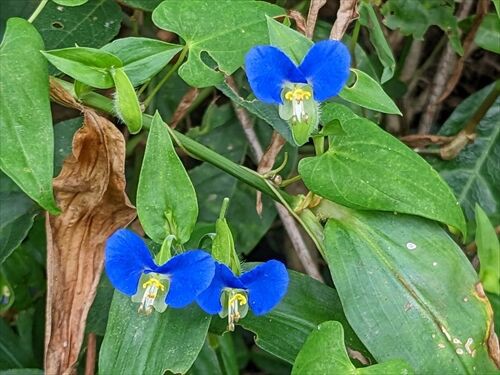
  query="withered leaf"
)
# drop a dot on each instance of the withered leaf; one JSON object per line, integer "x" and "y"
{"x": 90, "y": 192}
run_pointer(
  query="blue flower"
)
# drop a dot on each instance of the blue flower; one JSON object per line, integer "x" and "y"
{"x": 131, "y": 269}
{"x": 259, "y": 289}
{"x": 275, "y": 79}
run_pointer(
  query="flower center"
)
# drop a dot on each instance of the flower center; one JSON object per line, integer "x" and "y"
{"x": 233, "y": 309}
{"x": 297, "y": 96}
{"x": 151, "y": 288}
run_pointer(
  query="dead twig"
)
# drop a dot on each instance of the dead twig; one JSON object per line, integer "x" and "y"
{"x": 312, "y": 16}
{"x": 184, "y": 105}
{"x": 481, "y": 11}
{"x": 287, "y": 219}
{"x": 300, "y": 22}
{"x": 423, "y": 140}
{"x": 91, "y": 354}
{"x": 348, "y": 12}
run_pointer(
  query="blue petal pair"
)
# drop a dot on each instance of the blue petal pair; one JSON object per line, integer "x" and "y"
{"x": 325, "y": 68}
{"x": 259, "y": 289}
{"x": 132, "y": 270}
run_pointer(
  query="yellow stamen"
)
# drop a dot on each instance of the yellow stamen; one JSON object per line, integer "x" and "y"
{"x": 154, "y": 282}
{"x": 298, "y": 94}
{"x": 238, "y": 297}
{"x": 234, "y": 315}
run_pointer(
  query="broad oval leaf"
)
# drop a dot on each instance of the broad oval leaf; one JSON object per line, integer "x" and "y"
{"x": 324, "y": 353}
{"x": 368, "y": 93}
{"x": 142, "y": 58}
{"x": 88, "y": 65}
{"x": 367, "y": 168}
{"x": 307, "y": 303}
{"x": 166, "y": 200}
{"x": 226, "y": 32}
{"x": 138, "y": 344}
{"x": 27, "y": 140}
{"x": 409, "y": 292}
{"x": 92, "y": 24}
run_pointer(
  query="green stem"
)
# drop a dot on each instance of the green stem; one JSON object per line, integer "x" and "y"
{"x": 354, "y": 40}
{"x": 172, "y": 70}
{"x": 37, "y": 11}
{"x": 195, "y": 148}
{"x": 319, "y": 145}
{"x": 223, "y": 209}
{"x": 290, "y": 181}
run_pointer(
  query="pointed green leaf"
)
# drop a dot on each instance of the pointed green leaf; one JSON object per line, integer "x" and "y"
{"x": 488, "y": 35}
{"x": 386, "y": 174}
{"x": 227, "y": 30}
{"x": 366, "y": 92}
{"x": 88, "y": 65}
{"x": 324, "y": 353}
{"x": 368, "y": 18}
{"x": 488, "y": 249}
{"x": 27, "y": 140}
{"x": 166, "y": 200}
{"x": 293, "y": 43}
{"x": 409, "y": 292}
{"x": 153, "y": 344}
{"x": 142, "y": 58}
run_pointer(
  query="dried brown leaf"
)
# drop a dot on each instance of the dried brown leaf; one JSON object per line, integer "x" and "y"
{"x": 90, "y": 190}
{"x": 312, "y": 16}
{"x": 184, "y": 105}
{"x": 300, "y": 22}
{"x": 348, "y": 12}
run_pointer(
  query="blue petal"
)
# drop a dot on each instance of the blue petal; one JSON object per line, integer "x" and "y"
{"x": 190, "y": 273}
{"x": 266, "y": 285}
{"x": 326, "y": 68}
{"x": 268, "y": 69}
{"x": 126, "y": 259}
{"x": 209, "y": 300}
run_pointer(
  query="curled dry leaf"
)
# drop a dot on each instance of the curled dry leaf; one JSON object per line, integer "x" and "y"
{"x": 300, "y": 22}
{"x": 348, "y": 12}
{"x": 492, "y": 339}
{"x": 184, "y": 105}
{"x": 90, "y": 190}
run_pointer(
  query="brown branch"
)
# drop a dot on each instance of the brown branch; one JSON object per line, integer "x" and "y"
{"x": 287, "y": 219}
{"x": 91, "y": 354}
{"x": 183, "y": 107}
{"x": 300, "y": 22}
{"x": 423, "y": 140}
{"x": 348, "y": 12}
{"x": 481, "y": 11}
{"x": 312, "y": 16}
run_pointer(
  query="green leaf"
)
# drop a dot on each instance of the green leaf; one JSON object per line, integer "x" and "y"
{"x": 488, "y": 250}
{"x": 138, "y": 344}
{"x": 206, "y": 363}
{"x": 267, "y": 112}
{"x": 367, "y": 93}
{"x": 88, "y": 65}
{"x": 142, "y": 58}
{"x": 63, "y": 140}
{"x": 70, "y": 3}
{"x": 324, "y": 353}
{"x": 403, "y": 276}
{"x": 368, "y": 18}
{"x": 496, "y": 3}
{"x": 166, "y": 199}
{"x": 147, "y": 5}
{"x": 283, "y": 331}
{"x": 23, "y": 371}
{"x": 293, "y": 43}
{"x": 226, "y": 32}
{"x": 27, "y": 141}
{"x": 415, "y": 17}
{"x": 16, "y": 216}
{"x": 474, "y": 175}
{"x": 12, "y": 353}
{"x": 387, "y": 175}
{"x": 126, "y": 102}
{"x": 488, "y": 34}
{"x": 92, "y": 24}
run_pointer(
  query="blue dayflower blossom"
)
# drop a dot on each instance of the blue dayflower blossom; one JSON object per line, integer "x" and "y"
{"x": 132, "y": 270}
{"x": 275, "y": 79}
{"x": 259, "y": 289}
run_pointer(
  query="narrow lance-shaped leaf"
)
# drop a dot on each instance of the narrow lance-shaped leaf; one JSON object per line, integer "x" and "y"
{"x": 142, "y": 57}
{"x": 367, "y": 168}
{"x": 166, "y": 200}
{"x": 27, "y": 140}
{"x": 88, "y": 65}
{"x": 368, "y": 93}
{"x": 409, "y": 292}
{"x": 324, "y": 353}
